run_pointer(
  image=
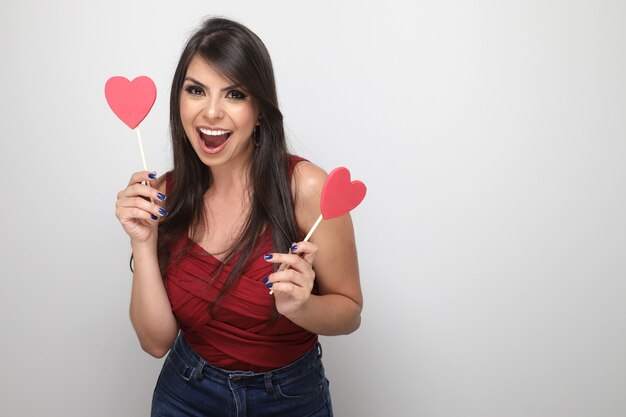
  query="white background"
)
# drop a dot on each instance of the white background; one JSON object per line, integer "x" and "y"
{"x": 490, "y": 134}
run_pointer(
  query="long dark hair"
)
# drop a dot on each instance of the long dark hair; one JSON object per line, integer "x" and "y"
{"x": 240, "y": 56}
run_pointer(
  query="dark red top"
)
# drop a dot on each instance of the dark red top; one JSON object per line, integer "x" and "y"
{"x": 240, "y": 334}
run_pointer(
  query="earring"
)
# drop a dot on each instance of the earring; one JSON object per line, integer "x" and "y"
{"x": 255, "y": 136}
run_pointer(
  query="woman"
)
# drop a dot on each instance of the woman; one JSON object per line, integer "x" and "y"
{"x": 229, "y": 231}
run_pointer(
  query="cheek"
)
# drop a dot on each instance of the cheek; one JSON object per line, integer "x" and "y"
{"x": 186, "y": 111}
{"x": 246, "y": 117}
{"x": 187, "y": 114}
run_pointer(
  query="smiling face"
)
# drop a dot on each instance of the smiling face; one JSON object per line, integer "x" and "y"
{"x": 218, "y": 116}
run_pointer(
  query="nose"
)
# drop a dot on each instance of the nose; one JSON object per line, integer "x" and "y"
{"x": 214, "y": 108}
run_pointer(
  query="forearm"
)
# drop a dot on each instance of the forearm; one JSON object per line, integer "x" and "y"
{"x": 150, "y": 309}
{"x": 328, "y": 315}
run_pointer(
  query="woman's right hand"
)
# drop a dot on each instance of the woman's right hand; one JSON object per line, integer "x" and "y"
{"x": 139, "y": 207}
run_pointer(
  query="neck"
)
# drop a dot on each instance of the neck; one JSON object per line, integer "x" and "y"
{"x": 230, "y": 179}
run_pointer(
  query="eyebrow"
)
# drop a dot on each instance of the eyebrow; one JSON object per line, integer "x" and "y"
{"x": 227, "y": 88}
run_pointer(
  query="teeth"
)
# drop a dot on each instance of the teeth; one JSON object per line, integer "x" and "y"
{"x": 214, "y": 132}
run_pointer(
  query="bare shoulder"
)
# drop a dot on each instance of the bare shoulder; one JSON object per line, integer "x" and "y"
{"x": 308, "y": 181}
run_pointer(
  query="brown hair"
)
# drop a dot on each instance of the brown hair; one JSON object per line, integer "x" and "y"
{"x": 240, "y": 56}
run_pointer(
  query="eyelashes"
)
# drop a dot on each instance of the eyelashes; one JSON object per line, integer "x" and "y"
{"x": 233, "y": 94}
{"x": 194, "y": 90}
{"x": 236, "y": 94}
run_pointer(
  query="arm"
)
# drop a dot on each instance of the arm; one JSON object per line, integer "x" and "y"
{"x": 330, "y": 259}
{"x": 150, "y": 310}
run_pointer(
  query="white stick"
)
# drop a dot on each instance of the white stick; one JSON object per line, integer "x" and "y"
{"x": 143, "y": 156}
{"x": 319, "y": 220}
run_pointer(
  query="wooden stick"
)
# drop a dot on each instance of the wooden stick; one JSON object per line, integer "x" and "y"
{"x": 143, "y": 155}
{"x": 317, "y": 223}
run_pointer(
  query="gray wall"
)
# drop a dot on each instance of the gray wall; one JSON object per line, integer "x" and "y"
{"x": 491, "y": 135}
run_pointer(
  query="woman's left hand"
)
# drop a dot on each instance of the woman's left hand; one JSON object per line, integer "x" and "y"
{"x": 292, "y": 283}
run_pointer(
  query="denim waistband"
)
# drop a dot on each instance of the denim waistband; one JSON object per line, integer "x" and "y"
{"x": 195, "y": 366}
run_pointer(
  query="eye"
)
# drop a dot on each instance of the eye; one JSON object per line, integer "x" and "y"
{"x": 194, "y": 90}
{"x": 236, "y": 95}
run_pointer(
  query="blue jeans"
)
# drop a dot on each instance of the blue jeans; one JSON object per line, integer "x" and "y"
{"x": 189, "y": 386}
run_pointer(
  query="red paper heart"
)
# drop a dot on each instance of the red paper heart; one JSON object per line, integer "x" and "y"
{"x": 131, "y": 101}
{"x": 340, "y": 195}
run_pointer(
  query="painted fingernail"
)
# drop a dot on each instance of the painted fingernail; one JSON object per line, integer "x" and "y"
{"x": 269, "y": 285}
{"x": 268, "y": 256}
{"x": 152, "y": 176}
{"x": 161, "y": 196}
{"x": 293, "y": 248}
{"x": 153, "y": 217}
{"x": 163, "y": 211}
{"x": 265, "y": 280}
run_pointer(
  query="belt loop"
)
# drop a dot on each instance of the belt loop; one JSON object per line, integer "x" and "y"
{"x": 197, "y": 372}
{"x": 269, "y": 387}
{"x": 319, "y": 350}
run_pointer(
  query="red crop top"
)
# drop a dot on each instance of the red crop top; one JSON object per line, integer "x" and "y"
{"x": 240, "y": 334}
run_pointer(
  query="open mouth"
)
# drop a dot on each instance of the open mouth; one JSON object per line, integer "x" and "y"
{"x": 213, "y": 139}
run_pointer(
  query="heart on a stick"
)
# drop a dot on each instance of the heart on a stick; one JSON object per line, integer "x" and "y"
{"x": 131, "y": 101}
{"x": 339, "y": 194}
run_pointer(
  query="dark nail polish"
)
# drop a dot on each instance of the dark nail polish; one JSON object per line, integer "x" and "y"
{"x": 163, "y": 211}
{"x": 152, "y": 176}
{"x": 161, "y": 196}
{"x": 268, "y": 256}
{"x": 269, "y": 285}
{"x": 153, "y": 217}
{"x": 294, "y": 248}
{"x": 265, "y": 280}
